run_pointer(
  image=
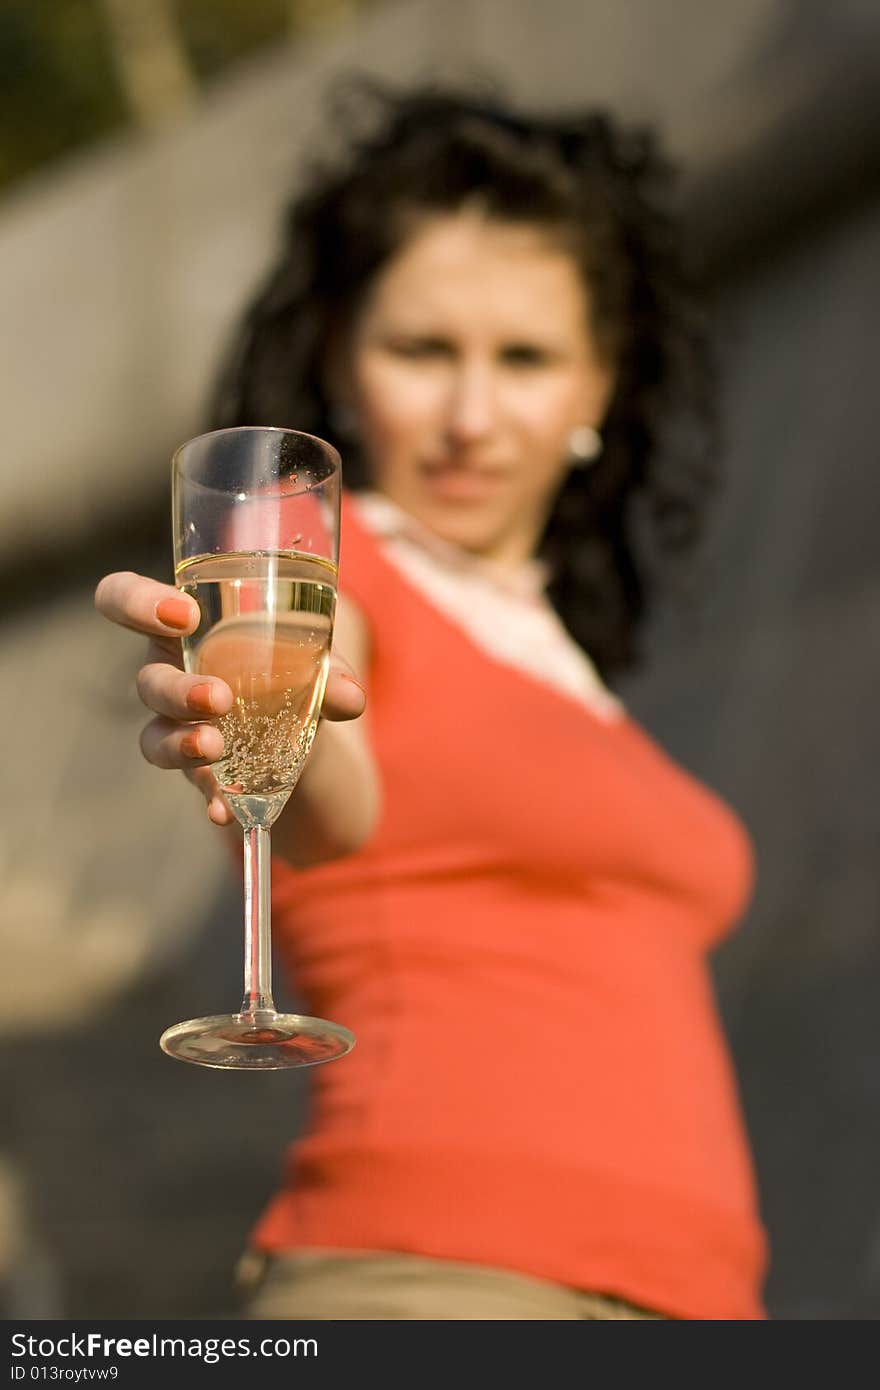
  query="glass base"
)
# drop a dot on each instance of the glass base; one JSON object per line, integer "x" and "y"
{"x": 263, "y": 1041}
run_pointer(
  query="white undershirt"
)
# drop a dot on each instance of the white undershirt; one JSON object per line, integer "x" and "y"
{"x": 503, "y": 610}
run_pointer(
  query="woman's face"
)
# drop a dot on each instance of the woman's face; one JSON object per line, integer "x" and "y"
{"x": 469, "y": 366}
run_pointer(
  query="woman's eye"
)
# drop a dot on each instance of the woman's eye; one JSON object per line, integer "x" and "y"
{"x": 419, "y": 348}
{"x": 524, "y": 355}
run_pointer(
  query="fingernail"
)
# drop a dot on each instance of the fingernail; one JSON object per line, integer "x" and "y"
{"x": 190, "y": 745}
{"x": 174, "y": 612}
{"x": 201, "y": 699}
{"x": 346, "y": 677}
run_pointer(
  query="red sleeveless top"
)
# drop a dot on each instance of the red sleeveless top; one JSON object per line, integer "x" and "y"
{"x": 540, "y": 1081}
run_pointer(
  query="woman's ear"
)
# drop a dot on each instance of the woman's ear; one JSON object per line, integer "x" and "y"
{"x": 600, "y": 393}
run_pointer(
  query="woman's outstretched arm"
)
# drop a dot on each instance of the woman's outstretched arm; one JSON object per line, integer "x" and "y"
{"x": 336, "y": 804}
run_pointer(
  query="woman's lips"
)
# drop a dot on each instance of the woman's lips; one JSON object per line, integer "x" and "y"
{"x": 460, "y": 482}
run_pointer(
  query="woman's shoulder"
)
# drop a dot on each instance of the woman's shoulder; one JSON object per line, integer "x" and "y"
{"x": 362, "y": 572}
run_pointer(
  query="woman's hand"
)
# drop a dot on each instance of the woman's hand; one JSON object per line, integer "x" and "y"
{"x": 179, "y": 736}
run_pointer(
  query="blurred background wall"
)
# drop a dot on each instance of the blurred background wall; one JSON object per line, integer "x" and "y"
{"x": 146, "y": 148}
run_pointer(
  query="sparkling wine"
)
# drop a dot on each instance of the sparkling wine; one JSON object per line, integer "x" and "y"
{"x": 266, "y": 628}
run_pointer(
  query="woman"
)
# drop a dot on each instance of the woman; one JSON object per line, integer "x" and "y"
{"x": 494, "y": 876}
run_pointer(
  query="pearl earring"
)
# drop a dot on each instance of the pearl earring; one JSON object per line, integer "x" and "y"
{"x": 584, "y": 445}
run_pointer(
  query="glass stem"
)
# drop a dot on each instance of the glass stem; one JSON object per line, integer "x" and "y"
{"x": 257, "y": 922}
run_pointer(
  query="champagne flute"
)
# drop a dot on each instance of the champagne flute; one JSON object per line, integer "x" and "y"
{"x": 256, "y": 544}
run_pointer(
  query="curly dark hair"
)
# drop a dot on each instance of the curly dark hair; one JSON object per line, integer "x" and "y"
{"x": 603, "y": 191}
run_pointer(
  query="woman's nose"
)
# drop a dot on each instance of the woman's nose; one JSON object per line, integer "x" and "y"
{"x": 472, "y": 406}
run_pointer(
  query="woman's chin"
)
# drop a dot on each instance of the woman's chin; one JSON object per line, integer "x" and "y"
{"x": 475, "y": 522}
{"x": 469, "y": 529}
